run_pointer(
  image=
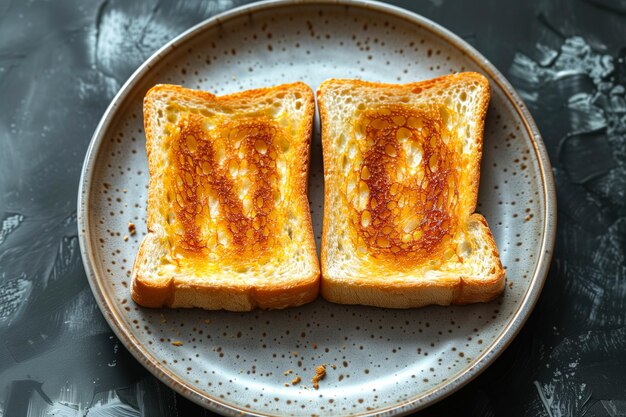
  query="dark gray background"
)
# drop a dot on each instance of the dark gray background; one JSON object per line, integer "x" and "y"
{"x": 59, "y": 69}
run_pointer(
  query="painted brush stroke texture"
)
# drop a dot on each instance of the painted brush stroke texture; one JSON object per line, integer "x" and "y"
{"x": 586, "y": 85}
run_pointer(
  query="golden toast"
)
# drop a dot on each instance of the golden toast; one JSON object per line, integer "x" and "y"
{"x": 401, "y": 175}
{"x": 229, "y": 225}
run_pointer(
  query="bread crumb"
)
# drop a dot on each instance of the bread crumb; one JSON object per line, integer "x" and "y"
{"x": 125, "y": 238}
{"x": 320, "y": 373}
{"x": 177, "y": 343}
{"x": 314, "y": 345}
{"x": 296, "y": 380}
{"x": 207, "y": 321}
{"x": 163, "y": 319}
{"x": 294, "y": 353}
{"x": 333, "y": 366}
{"x": 511, "y": 284}
{"x": 132, "y": 229}
{"x": 287, "y": 372}
{"x": 286, "y": 384}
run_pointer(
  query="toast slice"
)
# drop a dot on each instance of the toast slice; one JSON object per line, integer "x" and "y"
{"x": 229, "y": 225}
{"x": 401, "y": 173}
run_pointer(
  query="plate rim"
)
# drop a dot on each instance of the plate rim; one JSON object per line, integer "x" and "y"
{"x": 477, "y": 366}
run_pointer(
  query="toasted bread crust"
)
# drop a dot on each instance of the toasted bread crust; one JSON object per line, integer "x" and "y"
{"x": 248, "y": 241}
{"x": 220, "y": 297}
{"x": 145, "y": 291}
{"x": 379, "y": 230}
{"x": 379, "y": 293}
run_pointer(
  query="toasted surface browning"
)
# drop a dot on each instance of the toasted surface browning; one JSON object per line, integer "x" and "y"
{"x": 233, "y": 170}
{"x": 404, "y": 207}
{"x": 401, "y": 166}
{"x": 228, "y": 218}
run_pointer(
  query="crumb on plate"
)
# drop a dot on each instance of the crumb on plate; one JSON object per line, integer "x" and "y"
{"x": 320, "y": 373}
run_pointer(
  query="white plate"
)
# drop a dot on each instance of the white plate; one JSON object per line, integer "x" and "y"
{"x": 377, "y": 360}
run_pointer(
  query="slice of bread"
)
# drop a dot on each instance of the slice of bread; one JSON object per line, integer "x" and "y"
{"x": 229, "y": 225}
{"x": 401, "y": 173}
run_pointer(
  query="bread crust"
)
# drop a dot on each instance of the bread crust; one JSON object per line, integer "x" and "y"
{"x": 378, "y": 293}
{"x": 229, "y": 293}
{"x": 379, "y": 290}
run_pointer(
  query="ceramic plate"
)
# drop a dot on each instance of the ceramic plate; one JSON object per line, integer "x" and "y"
{"x": 377, "y": 360}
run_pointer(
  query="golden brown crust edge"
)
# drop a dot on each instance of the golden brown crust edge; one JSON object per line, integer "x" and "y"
{"x": 234, "y": 298}
{"x": 169, "y": 293}
{"x": 479, "y": 131}
{"x": 146, "y": 292}
{"x": 326, "y": 161}
{"x": 411, "y": 297}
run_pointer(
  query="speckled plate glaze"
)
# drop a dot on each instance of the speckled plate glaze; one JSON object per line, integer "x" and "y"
{"x": 378, "y": 361}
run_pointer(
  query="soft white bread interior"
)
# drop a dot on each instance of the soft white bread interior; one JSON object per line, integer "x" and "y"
{"x": 229, "y": 225}
{"x": 401, "y": 175}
